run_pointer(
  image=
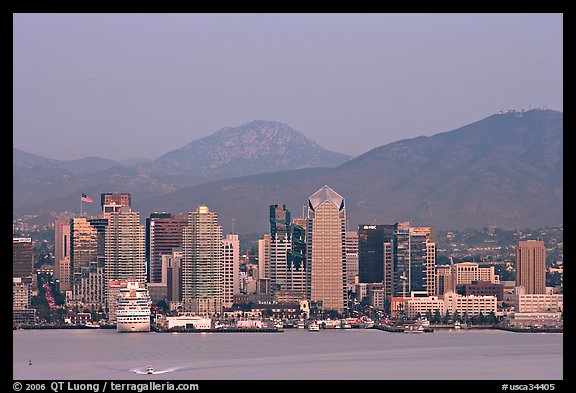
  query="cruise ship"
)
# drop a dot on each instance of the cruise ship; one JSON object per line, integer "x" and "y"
{"x": 133, "y": 311}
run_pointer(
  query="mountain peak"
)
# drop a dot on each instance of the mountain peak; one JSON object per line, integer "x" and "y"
{"x": 259, "y": 146}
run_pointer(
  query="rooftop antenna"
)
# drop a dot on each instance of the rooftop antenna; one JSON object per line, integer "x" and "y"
{"x": 303, "y": 211}
{"x": 233, "y": 221}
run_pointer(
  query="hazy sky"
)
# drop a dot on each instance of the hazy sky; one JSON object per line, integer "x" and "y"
{"x": 139, "y": 85}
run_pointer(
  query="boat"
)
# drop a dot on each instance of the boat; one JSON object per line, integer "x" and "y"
{"x": 413, "y": 329}
{"x": 346, "y": 325}
{"x": 133, "y": 310}
{"x": 424, "y": 322}
{"x": 313, "y": 327}
{"x": 301, "y": 324}
{"x": 149, "y": 369}
{"x": 457, "y": 325}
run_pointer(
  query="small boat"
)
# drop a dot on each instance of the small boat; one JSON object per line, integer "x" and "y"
{"x": 413, "y": 329}
{"x": 149, "y": 369}
{"x": 457, "y": 325}
{"x": 424, "y": 322}
{"x": 313, "y": 327}
{"x": 301, "y": 324}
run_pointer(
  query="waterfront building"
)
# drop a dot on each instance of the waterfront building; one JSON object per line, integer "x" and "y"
{"x": 22, "y": 258}
{"x": 415, "y": 306}
{"x": 202, "y": 263}
{"x": 471, "y": 305}
{"x": 537, "y": 302}
{"x": 125, "y": 247}
{"x": 163, "y": 234}
{"x": 189, "y": 322}
{"x": 231, "y": 260}
{"x": 531, "y": 266}
{"x": 62, "y": 254}
{"x": 326, "y": 250}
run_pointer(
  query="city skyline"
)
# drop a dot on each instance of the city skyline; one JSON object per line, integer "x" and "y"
{"x": 175, "y": 82}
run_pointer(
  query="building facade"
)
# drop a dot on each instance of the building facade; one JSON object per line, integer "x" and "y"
{"x": 326, "y": 250}
{"x": 531, "y": 266}
{"x": 202, "y": 263}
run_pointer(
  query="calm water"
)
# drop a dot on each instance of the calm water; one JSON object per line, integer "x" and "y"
{"x": 293, "y": 354}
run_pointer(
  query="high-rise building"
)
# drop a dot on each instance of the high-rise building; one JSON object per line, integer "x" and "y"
{"x": 202, "y": 263}
{"x": 112, "y": 202}
{"x": 280, "y": 245}
{"x": 125, "y": 247}
{"x": 352, "y": 264}
{"x": 414, "y": 260}
{"x": 22, "y": 258}
{"x": 531, "y": 266}
{"x": 62, "y": 254}
{"x": 231, "y": 258}
{"x": 86, "y": 270}
{"x": 372, "y": 240}
{"x": 163, "y": 234}
{"x": 326, "y": 250}
{"x": 172, "y": 266}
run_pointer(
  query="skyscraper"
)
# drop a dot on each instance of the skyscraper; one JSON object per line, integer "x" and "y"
{"x": 231, "y": 255}
{"x": 414, "y": 260}
{"x": 163, "y": 234}
{"x": 326, "y": 250}
{"x": 371, "y": 257}
{"x": 531, "y": 266}
{"x": 83, "y": 252}
{"x": 112, "y": 202}
{"x": 286, "y": 253}
{"x": 202, "y": 263}
{"x": 280, "y": 245}
{"x": 62, "y": 253}
{"x": 125, "y": 248}
{"x": 22, "y": 258}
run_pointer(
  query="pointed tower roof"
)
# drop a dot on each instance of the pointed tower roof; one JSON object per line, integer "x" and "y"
{"x": 326, "y": 194}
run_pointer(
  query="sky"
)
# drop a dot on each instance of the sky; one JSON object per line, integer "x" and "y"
{"x": 121, "y": 86}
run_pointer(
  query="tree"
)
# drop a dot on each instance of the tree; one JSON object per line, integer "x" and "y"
{"x": 456, "y": 316}
{"x": 429, "y": 315}
{"x": 446, "y": 319}
{"x": 436, "y": 318}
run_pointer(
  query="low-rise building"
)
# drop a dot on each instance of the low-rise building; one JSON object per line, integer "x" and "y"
{"x": 189, "y": 322}
{"x": 534, "y": 303}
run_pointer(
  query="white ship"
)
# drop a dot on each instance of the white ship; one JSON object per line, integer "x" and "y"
{"x": 133, "y": 312}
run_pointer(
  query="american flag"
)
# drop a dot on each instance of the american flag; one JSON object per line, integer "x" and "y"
{"x": 85, "y": 198}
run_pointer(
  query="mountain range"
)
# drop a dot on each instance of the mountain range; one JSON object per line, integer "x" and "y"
{"x": 505, "y": 170}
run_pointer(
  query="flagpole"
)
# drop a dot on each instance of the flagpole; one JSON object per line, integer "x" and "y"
{"x": 80, "y": 206}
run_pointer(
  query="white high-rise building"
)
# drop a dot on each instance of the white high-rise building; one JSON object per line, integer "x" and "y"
{"x": 202, "y": 263}
{"x": 125, "y": 248}
{"x": 231, "y": 250}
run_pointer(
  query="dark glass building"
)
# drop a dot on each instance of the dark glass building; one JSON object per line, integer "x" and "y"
{"x": 371, "y": 252}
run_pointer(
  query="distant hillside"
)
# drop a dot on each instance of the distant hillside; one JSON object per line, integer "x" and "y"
{"x": 42, "y": 184}
{"x": 252, "y": 148}
{"x": 504, "y": 170}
